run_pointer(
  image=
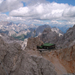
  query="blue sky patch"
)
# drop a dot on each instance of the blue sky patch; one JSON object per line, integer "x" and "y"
{"x": 7, "y": 13}
{"x": 24, "y": 4}
{"x": 70, "y": 2}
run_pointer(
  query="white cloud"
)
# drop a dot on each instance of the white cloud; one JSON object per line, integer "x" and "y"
{"x": 8, "y": 5}
{"x": 3, "y": 17}
{"x": 38, "y": 10}
{"x": 69, "y": 12}
{"x": 41, "y": 11}
{"x": 1, "y": 1}
{"x": 33, "y": 2}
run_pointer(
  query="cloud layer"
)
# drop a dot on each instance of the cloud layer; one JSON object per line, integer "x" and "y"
{"x": 37, "y": 11}
{"x": 45, "y": 11}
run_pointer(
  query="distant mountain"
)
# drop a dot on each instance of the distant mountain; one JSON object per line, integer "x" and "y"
{"x": 54, "y": 29}
{"x": 41, "y": 28}
{"x": 53, "y": 36}
{"x": 19, "y": 31}
{"x": 63, "y": 28}
{"x": 4, "y": 31}
{"x": 9, "y": 26}
{"x": 22, "y": 31}
{"x": 68, "y": 38}
{"x": 49, "y": 36}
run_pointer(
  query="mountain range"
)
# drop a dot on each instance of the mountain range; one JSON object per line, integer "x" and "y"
{"x": 23, "y": 58}
{"x": 63, "y": 41}
{"x": 22, "y": 31}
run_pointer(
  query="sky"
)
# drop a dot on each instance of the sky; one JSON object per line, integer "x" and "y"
{"x": 38, "y": 12}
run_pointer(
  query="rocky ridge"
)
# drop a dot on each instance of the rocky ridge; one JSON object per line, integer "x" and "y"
{"x": 15, "y": 61}
{"x": 49, "y": 36}
{"x": 62, "y": 59}
{"x": 67, "y": 40}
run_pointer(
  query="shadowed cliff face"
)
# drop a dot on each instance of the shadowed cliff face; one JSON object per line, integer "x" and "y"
{"x": 15, "y": 61}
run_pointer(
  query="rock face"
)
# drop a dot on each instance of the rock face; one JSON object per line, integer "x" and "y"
{"x": 40, "y": 29}
{"x": 52, "y": 36}
{"x": 67, "y": 58}
{"x": 49, "y": 36}
{"x": 69, "y": 74}
{"x": 15, "y": 61}
{"x": 63, "y": 60}
{"x": 33, "y": 43}
{"x": 57, "y": 31}
{"x": 68, "y": 38}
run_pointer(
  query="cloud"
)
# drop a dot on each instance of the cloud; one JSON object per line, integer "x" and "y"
{"x": 8, "y": 5}
{"x": 69, "y": 12}
{"x": 46, "y": 11}
{"x": 33, "y": 2}
{"x": 37, "y": 10}
{"x": 41, "y": 11}
{"x": 3, "y": 17}
{"x": 1, "y": 1}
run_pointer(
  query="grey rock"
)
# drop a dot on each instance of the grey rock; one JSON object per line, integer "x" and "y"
{"x": 15, "y": 61}
{"x": 69, "y": 74}
{"x": 48, "y": 36}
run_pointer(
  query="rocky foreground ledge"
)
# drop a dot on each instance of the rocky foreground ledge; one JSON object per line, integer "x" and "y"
{"x": 62, "y": 59}
{"x": 15, "y": 61}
